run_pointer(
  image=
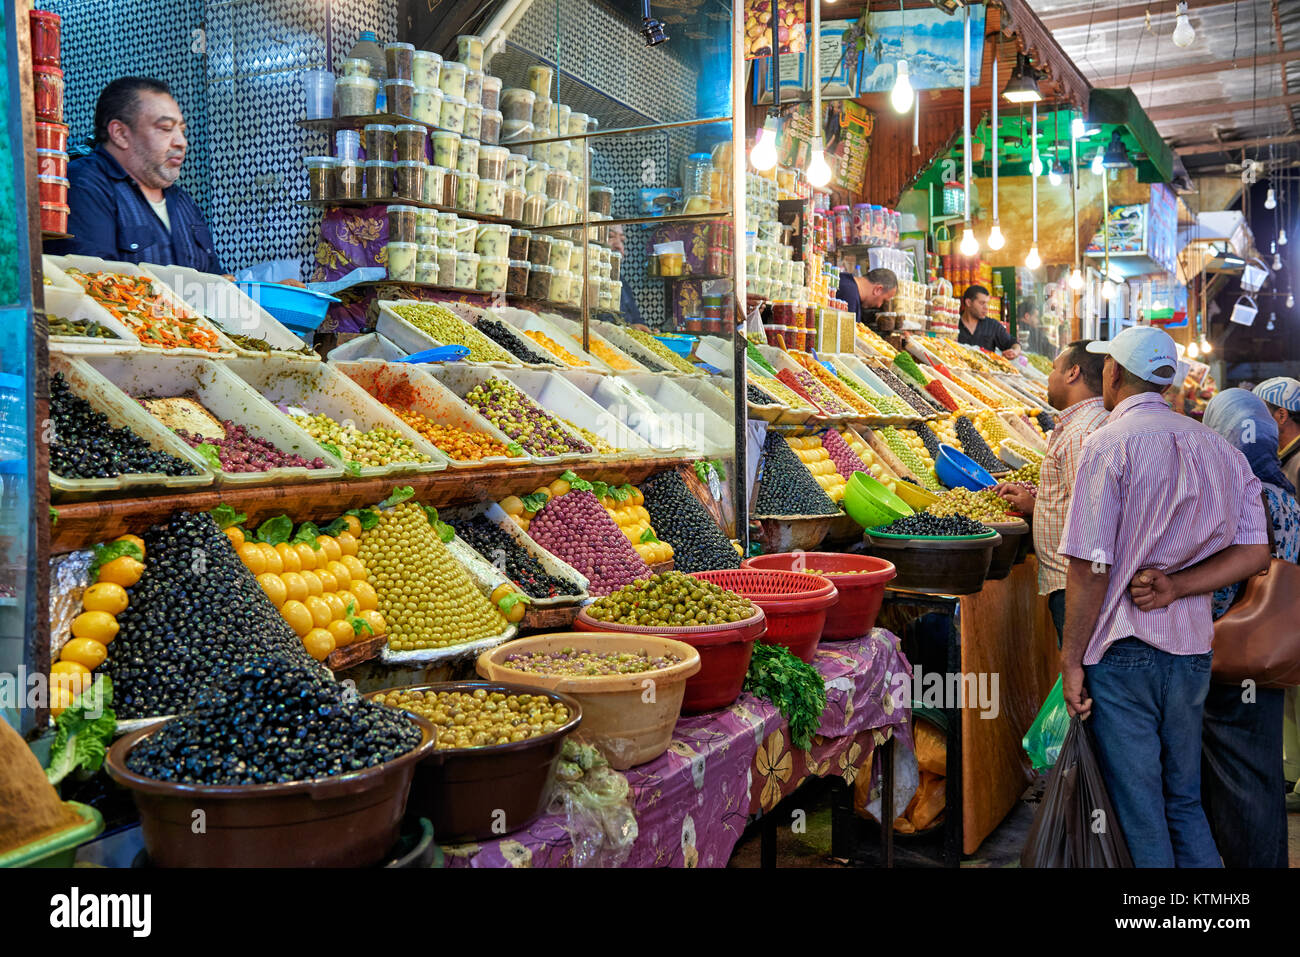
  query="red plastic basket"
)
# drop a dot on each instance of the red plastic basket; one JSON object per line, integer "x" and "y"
{"x": 861, "y": 583}
{"x": 795, "y": 603}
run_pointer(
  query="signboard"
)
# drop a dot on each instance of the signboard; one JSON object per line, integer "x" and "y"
{"x": 790, "y": 34}
{"x": 931, "y": 43}
{"x": 1128, "y": 231}
{"x": 847, "y": 130}
{"x": 840, "y": 68}
{"x": 1162, "y": 227}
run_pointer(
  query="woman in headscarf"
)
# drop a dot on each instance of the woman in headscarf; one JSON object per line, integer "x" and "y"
{"x": 1243, "y": 788}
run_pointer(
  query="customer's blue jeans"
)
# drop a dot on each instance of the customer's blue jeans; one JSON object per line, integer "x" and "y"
{"x": 1056, "y": 605}
{"x": 1147, "y": 710}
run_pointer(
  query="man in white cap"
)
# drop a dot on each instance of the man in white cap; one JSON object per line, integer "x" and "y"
{"x": 1164, "y": 511}
{"x": 1282, "y": 396}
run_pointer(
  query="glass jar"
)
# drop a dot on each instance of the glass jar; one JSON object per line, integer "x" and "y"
{"x": 862, "y": 224}
{"x": 356, "y": 95}
{"x": 493, "y": 271}
{"x": 466, "y": 271}
{"x": 453, "y": 112}
{"x": 426, "y": 66}
{"x": 410, "y": 142}
{"x": 427, "y": 106}
{"x": 473, "y": 121}
{"x": 492, "y": 240}
{"x": 379, "y": 179}
{"x": 400, "y": 95}
{"x": 534, "y": 209}
{"x": 380, "y": 140}
{"x": 490, "y": 126}
{"x": 435, "y": 186}
{"x": 354, "y": 66}
{"x": 451, "y": 78}
{"x": 491, "y": 197}
{"x": 401, "y": 261}
{"x": 540, "y": 280}
{"x": 349, "y": 180}
{"x": 466, "y": 233}
{"x": 401, "y": 224}
{"x": 467, "y": 156}
{"x": 409, "y": 179}
{"x": 320, "y": 176}
{"x": 843, "y": 224}
{"x": 469, "y": 50}
{"x": 447, "y": 266}
{"x": 446, "y": 148}
{"x": 513, "y": 206}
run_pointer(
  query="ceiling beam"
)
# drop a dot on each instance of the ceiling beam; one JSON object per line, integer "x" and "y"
{"x": 1211, "y": 107}
{"x": 1197, "y": 69}
{"x": 1277, "y": 35}
{"x": 1127, "y": 11}
{"x": 1231, "y": 146}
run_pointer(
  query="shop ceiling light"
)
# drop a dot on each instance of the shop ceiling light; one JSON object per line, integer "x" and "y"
{"x": 1023, "y": 85}
{"x": 1281, "y": 236}
{"x": 1277, "y": 262}
{"x": 1057, "y": 174}
{"x": 1096, "y": 165}
{"x": 969, "y": 244}
{"x": 1193, "y": 350}
{"x": 1206, "y": 348}
{"x": 1116, "y": 155}
{"x": 653, "y": 30}
{"x": 996, "y": 239}
{"x": 1108, "y": 290}
{"x": 1184, "y": 36}
{"x": 1272, "y": 316}
{"x": 902, "y": 95}
{"x": 1271, "y": 201}
{"x": 763, "y": 156}
{"x": 1076, "y": 278}
{"x": 1033, "y": 260}
{"x": 1290, "y": 301}
{"x": 1081, "y": 130}
{"x": 819, "y": 171}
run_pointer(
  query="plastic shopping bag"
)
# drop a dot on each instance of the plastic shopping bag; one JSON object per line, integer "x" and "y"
{"x": 1042, "y": 742}
{"x": 1075, "y": 825}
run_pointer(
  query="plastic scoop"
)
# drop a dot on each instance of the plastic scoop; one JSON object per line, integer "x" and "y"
{"x": 440, "y": 354}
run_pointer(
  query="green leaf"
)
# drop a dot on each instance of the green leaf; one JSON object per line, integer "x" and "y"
{"x": 307, "y": 533}
{"x": 83, "y": 732}
{"x": 368, "y": 517}
{"x": 514, "y": 448}
{"x": 795, "y": 688}
{"x": 431, "y": 514}
{"x": 225, "y": 516}
{"x": 336, "y": 526}
{"x": 352, "y": 468}
{"x": 54, "y": 515}
{"x": 702, "y": 472}
{"x": 717, "y": 467}
{"x": 649, "y": 536}
{"x": 569, "y": 476}
{"x": 445, "y": 531}
{"x": 275, "y": 530}
{"x": 581, "y": 485}
{"x": 103, "y": 554}
{"x": 534, "y": 501}
{"x": 400, "y": 495}
{"x": 600, "y": 489}
{"x": 621, "y": 493}
{"x": 514, "y": 598}
{"x": 333, "y": 450}
{"x": 209, "y": 453}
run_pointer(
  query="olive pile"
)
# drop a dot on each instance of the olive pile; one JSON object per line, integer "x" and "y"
{"x": 983, "y": 506}
{"x": 196, "y": 616}
{"x": 1046, "y": 422}
{"x": 87, "y": 328}
{"x": 1026, "y": 474}
{"x": 577, "y": 529}
{"x": 681, "y": 520}
{"x": 925, "y": 524}
{"x": 673, "y": 600}
{"x": 241, "y": 451}
{"x": 786, "y": 486}
{"x": 512, "y": 560}
{"x": 480, "y": 718}
{"x": 929, "y": 438}
{"x": 757, "y": 395}
{"x": 85, "y": 446}
{"x": 377, "y": 447}
{"x": 973, "y": 444}
{"x": 425, "y": 595}
{"x": 519, "y": 417}
{"x": 919, "y": 401}
{"x": 440, "y": 323}
{"x": 272, "y": 722}
{"x": 581, "y": 663}
{"x": 511, "y": 341}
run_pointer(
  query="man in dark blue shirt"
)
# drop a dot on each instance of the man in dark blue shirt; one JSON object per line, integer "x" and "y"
{"x": 866, "y": 294}
{"x": 125, "y": 204}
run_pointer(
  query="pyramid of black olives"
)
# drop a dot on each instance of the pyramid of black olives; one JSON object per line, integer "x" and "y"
{"x": 681, "y": 520}
{"x": 786, "y": 487}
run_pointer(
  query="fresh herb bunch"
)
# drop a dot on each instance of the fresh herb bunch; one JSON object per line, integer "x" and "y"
{"x": 796, "y": 688}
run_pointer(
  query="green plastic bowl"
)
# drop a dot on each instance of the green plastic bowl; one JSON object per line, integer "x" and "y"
{"x": 870, "y": 503}
{"x": 60, "y": 849}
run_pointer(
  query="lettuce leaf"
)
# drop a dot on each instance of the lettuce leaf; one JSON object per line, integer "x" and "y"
{"x": 83, "y": 732}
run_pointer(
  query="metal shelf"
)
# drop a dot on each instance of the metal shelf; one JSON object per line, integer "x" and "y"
{"x": 643, "y": 220}
{"x": 362, "y": 203}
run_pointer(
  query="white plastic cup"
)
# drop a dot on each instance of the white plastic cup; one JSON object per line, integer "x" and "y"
{"x": 347, "y": 145}
{"x": 318, "y": 88}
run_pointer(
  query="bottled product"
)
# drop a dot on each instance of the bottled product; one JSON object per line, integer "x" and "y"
{"x": 600, "y": 199}
{"x": 349, "y": 179}
{"x": 435, "y": 182}
{"x": 410, "y": 142}
{"x": 561, "y": 254}
{"x": 557, "y": 181}
{"x": 540, "y": 278}
{"x": 426, "y": 67}
{"x": 453, "y": 111}
{"x": 427, "y": 105}
{"x": 446, "y": 267}
{"x": 467, "y": 155}
{"x": 535, "y": 177}
{"x": 542, "y": 114}
{"x": 426, "y": 237}
{"x": 513, "y": 206}
{"x": 615, "y": 265}
{"x": 400, "y": 95}
{"x": 559, "y": 287}
{"x": 516, "y": 170}
{"x": 492, "y": 161}
{"x": 320, "y": 176}
{"x": 695, "y": 174}
{"x": 492, "y": 240}
{"x": 519, "y": 242}
{"x": 576, "y": 124}
{"x": 474, "y": 87}
{"x": 473, "y": 121}
{"x": 446, "y": 148}
{"x": 517, "y": 104}
{"x": 467, "y": 191}
{"x": 379, "y": 179}
{"x": 466, "y": 270}
{"x": 516, "y": 131}
{"x": 540, "y": 79}
{"x": 355, "y": 95}
{"x": 451, "y": 78}
{"x": 491, "y": 197}
{"x": 380, "y": 140}
{"x": 517, "y": 278}
{"x": 355, "y": 66}
{"x": 469, "y": 50}
{"x": 402, "y": 224}
{"x": 368, "y": 49}
{"x": 539, "y": 249}
{"x": 491, "y": 92}
{"x": 401, "y": 261}
{"x": 466, "y": 234}
{"x": 492, "y": 274}
{"x": 409, "y": 176}
{"x": 490, "y": 126}
{"x": 399, "y": 61}
{"x": 534, "y": 209}
{"x": 426, "y": 272}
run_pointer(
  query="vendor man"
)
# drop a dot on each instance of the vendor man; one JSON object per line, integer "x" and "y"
{"x": 1282, "y": 396}
{"x": 866, "y": 294}
{"x": 125, "y": 204}
{"x": 977, "y": 329}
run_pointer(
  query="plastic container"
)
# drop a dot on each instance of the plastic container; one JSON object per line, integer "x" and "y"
{"x": 227, "y": 397}
{"x": 426, "y": 104}
{"x": 318, "y": 90}
{"x": 380, "y": 140}
{"x": 541, "y": 278}
{"x": 724, "y": 652}
{"x": 53, "y": 189}
{"x": 45, "y": 28}
{"x": 299, "y": 310}
{"x": 794, "y": 603}
{"x": 351, "y": 820}
{"x": 470, "y": 793}
{"x": 453, "y": 112}
{"x": 447, "y": 267}
{"x": 516, "y": 170}
{"x": 349, "y": 180}
{"x": 517, "y": 278}
{"x": 75, "y": 305}
{"x": 401, "y": 261}
{"x": 400, "y": 96}
{"x": 409, "y": 141}
{"x": 466, "y": 235}
{"x": 321, "y": 176}
{"x": 516, "y": 131}
{"x": 379, "y": 179}
{"x": 473, "y": 121}
{"x": 859, "y": 579}
{"x": 938, "y": 566}
{"x": 615, "y": 717}
{"x": 492, "y": 239}
{"x": 446, "y": 148}
{"x": 519, "y": 244}
{"x": 871, "y": 504}
{"x": 513, "y": 204}
{"x": 541, "y": 79}
{"x": 370, "y": 346}
{"x": 356, "y": 95}
{"x": 490, "y": 126}
{"x": 491, "y": 197}
{"x": 451, "y": 78}
{"x": 47, "y": 85}
{"x": 671, "y": 418}
{"x": 51, "y": 136}
{"x": 409, "y": 180}
{"x": 474, "y": 87}
{"x": 425, "y": 68}
{"x": 1014, "y": 533}
{"x": 492, "y": 162}
{"x": 435, "y": 187}
{"x": 493, "y": 271}
{"x": 355, "y": 66}
{"x": 467, "y": 155}
{"x": 957, "y": 470}
{"x": 103, "y": 396}
{"x": 321, "y": 388}
{"x": 467, "y": 191}
{"x": 469, "y": 50}
{"x": 399, "y": 62}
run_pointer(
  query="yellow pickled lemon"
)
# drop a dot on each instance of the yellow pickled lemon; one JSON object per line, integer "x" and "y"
{"x": 558, "y": 487}
{"x": 298, "y": 617}
{"x": 235, "y": 534}
{"x": 319, "y": 643}
{"x": 307, "y": 555}
{"x": 71, "y": 676}
{"x": 348, "y": 543}
{"x": 353, "y": 525}
{"x": 274, "y": 563}
{"x": 124, "y": 571}
{"x": 342, "y": 633}
{"x": 335, "y": 603}
{"x": 314, "y": 586}
{"x": 512, "y": 505}
{"x": 321, "y": 613}
{"x": 60, "y": 700}
{"x": 330, "y": 546}
{"x": 274, "y": 588}
{"x": 84, "y": 651}
{"x": 295, "y": 586}
{"x": 105, "y": 596}
{"x": 367, "y": 600}
{"x": 356, "y": 570}
{"x": 135, "y": 540}
{"x": 375, "y": 620}
{"x": 288, "y": 557}
{"x": 96, "y": 625}
{"x": 349, "y": 600}
{"x": 501, "y": 591}
{"x": 327, "y": 580}
{"x": 254, "y": 559}
{"x": 342, "y": 575}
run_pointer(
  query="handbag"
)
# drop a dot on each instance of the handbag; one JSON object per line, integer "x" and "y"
{"x": 1257, "y": 639}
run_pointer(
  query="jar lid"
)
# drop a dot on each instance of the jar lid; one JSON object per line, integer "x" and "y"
{"x": 488, "y": 149}
{"x": 403, "y": 209}
{"x": 491, "y": 81}
{"x": 600, "y": 188}
{"x": 518, "y": 158}
{"x": 394, "y": 82}
{"x": 518, "y": 92}
{"x": 408, "y": 163}
{"x": 520, "y": 232}
{"x": 455, "y": 66}
{"x": 519, "y": 262}
{"x": 469, "y": 143}
{"x": 381, "y": 127}
{"x": 456, "y": 100}
{"x": 492, "y": 182}
{"x": 308, "y": 161}
{"x": 58, "y": 180}
{"x": 367, "y": 81}
{"x": 427, "y": 55}
{"x": 465, "y": 175}
{"x": 467, "y": 256}
{"x": 389, "y": 163}
{"x": 437, "y": 171}
{"x": 493, "y": 259}
{"x": 472, "y": 37}
{"x": 403, "y": 245}
{"x": 541, "y": 267}
{"x": 356, "y": 59}
{"x": 487, "y": 113}
{"x": 410, "y": 128}
{"x": 443, "y": 134}
{"x": 428, "y": 91}
{"x": 399, "y": 46}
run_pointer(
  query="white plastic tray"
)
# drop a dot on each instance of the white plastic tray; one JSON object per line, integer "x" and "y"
{"x": 430, "y": 398}
{"x": 717, "y": 352}
{"x": 370, "y": 346}
{"x": 690, "y": 423}
{"x": 560, "y": 397}
{"x": 75, "y": 304}
{"x": 413, "y": 340}
{"x": 121, "y": 411}
{"x": 525, "y": 321}
{"x": 226, "y": 396}
{"x": 707, "y": 391}
{"x": 90, "y": 264}
{"x": 55, "y": 277}
{"x": 501, "y": 314}
{"x": 853, "y": 367}
{"x": 628, "y": 413}
{"x": 778, "y": 360}
{"x": 574, "y": 330}
{"x": 319, "y": 387}
{"x": 619, "y": 337}
{"x": 231, "y": 309}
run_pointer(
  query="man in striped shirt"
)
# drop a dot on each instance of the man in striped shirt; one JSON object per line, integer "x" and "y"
{"x": 1164, "y": 512}
{"x": 1075, "y": 387}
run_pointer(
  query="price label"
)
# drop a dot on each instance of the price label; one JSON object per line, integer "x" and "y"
{"x": 715, "y": 486}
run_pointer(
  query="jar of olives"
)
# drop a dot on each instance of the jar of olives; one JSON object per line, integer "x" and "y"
{"x": 320, "y": 176}
{"x": 380, "y": 140}
{"x": 540, "y": 279}
{"x": 379, "y": 179}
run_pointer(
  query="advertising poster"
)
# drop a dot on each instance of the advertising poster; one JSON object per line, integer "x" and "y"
{"x": 791, "y": 37}
{"x": 931, "y": 43}
{"x": 847, "y": 129}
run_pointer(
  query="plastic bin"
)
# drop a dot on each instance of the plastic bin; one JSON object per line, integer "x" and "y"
{"x": 501, "y": 314}
{"x": 370, "y": 346}
{"x": 619, "y": 337}
{"x": 692, "y": 423}
{"x": 707, "y": 392}
{"x": 430, "y": 398}
{"x": 319, "y": 387}
{"x": 795, "y": 603}
{"x": 75, "y": 304}
{"x": 406, "y": 336}
{"x": 860, "y": 580}
{"x": 525, "y": 321}
{"x": 58, "y": 849}
{"x": 231, "y": 309}
{"x": 573, "y": 329}
{"x": 226, "y": 396}
{"x": 300, "y": 310}
{"x": 562, "y": 398}
{"x": 629, "y": 415}
{"x": 105, "y": 397}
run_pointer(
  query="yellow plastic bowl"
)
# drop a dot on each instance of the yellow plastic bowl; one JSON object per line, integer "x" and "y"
{"x": 915, "y": 496}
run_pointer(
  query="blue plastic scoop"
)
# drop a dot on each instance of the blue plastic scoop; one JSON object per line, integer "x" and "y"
{"x": 440, "y": 354}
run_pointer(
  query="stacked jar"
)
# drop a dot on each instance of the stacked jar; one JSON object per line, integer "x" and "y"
{"x": 51, "y": 132}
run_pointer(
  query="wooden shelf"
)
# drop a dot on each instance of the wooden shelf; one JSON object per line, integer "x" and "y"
{"x": 397, "y": 201}
{"x": 523, "y": 302}
{"x": 83, "y": 524}
{"x": 355, "y": 653}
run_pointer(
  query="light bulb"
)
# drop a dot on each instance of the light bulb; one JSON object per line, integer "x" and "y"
{"x": 1272, "y": 318}
{"x": 1054, "y": 177}
{"x": 1206, "y": 348}
{"x": 1108, "y": 290}
{"x": 901, "y": 96}
{"x": 1033, "y": 260}
{"x": 1290, "y": 301}
{"x": 1076, "y": 127}
{"x": 1184, "y": 35}
{"x": 1193, "y": 350}
{"x": 996, "y": 239}
{"x": 1076, "y": 278}
{"x": 1097, "y": 166}
{"x": 1281, "y": 236}
{"x": 1036, "y": 165}
{"x": 1271, "y": 201}
{"x": 763, "y": 156}
{"x": 1277, "y": 261}
{"x": 969, "y": 244}
{"x": 819, "y": 171}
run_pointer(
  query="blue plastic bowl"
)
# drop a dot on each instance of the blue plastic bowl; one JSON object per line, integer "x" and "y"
{"x": 957, "y": 470}
{"x": 682, "y": 345}
{"x": 301, "y": 310}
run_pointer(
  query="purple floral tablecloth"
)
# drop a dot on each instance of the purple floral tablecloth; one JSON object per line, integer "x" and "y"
{"x": 722, "y": 768}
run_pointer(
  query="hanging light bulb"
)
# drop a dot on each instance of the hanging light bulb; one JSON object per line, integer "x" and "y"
{"x": 1281, "y": 236}
{"x": 996, "y": 239}
{"x": 1076, "y": 278}
{"x": 819, "y": 171}
{"x": 1271, "y": 201}
{"x": 1277, "y": 261}
{"x": 901, "y": 96}
{"x": 1206, "y": 348}
{"x": 969, "y": 244}
{"x": 1097, "y": 166}
{"x": 1035, "y": 164}
{"x": 763, "y": 156}
{"x": 1108, "y": 290}
{"x": 1290, "y": 301}
{"x": 1193, "y": 350}
{"x": 1057, "y": 173}
{"x": 1184, "y": 35}
{"x": 1033, "y": 260}
{"x": 1076, "y": 127}
{"x": 1272, "y": 319}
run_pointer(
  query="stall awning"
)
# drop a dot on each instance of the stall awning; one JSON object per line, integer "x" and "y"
{"x": 1119, "y": 107}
